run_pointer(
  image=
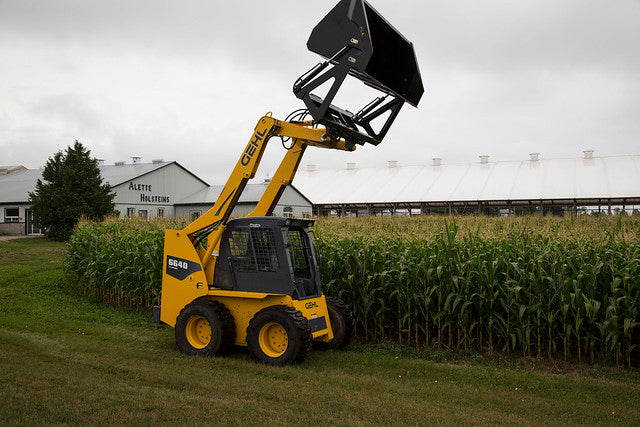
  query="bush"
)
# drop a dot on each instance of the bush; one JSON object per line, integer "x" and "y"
{"x": 71, "y": 187}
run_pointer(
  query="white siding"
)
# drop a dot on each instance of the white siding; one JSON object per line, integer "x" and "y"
{"x": 184, "y": 211}
{"x": 13, "y": 228}
{"x": 294, "y": 203}
{"x": 290, "y": 198}
{"x": 160, "y": 188}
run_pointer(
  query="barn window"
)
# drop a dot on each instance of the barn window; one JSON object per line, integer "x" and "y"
{"x": 11, "y": 214}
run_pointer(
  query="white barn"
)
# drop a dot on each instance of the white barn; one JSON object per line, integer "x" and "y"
{"x": 292, "y": 202}
{"x": 533, "y": 185}
{"x": 147, "y": 190}
{"x": 150, "y": 190}
{"x": 15, "y": 217}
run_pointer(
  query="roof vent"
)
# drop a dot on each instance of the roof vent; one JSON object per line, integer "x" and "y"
{"x": 534, "y": 157}
{"x": 484, "y": 159}
{"x": 119, "y": 163}
{"x": 437, "y": 161}
{"x": 351, "y": 166}
{"x": 6, "y": 170}
{"x": 100, "y": 162}
{"x": 136, "y": 159}
{"x": 156, "y": 161}
{"x": 588, "y": 154}
{"x": 311, "y": 168}
{"x": 393, "y": 163}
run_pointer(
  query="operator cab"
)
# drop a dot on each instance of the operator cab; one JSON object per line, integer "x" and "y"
{"x": 269, "y": 255}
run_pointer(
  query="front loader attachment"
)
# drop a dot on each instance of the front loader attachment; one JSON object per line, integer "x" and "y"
{"x": 356, "y": 40}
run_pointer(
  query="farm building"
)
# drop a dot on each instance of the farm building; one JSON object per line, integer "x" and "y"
{"x": 586, "y": 184}
{"x": 292, "y": 203}
{"x": 15, "y": 185}
{"x": 147, "y": 190}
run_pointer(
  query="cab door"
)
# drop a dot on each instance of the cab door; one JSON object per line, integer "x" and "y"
{"x": 305, "y": 270}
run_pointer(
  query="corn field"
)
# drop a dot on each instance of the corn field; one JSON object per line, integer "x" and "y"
{"x": 554, "y": 287}
{"x": 119, "y": 261}
{"x": 593, "y": 228}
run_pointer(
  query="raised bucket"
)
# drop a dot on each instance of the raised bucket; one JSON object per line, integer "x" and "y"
{"x": 356, "y": 40}
{"x": 385, "y": 57}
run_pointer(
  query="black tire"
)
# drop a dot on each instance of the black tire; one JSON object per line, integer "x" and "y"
{"x": 279, "y": 335}
{"x": 342, "y": 324}
{"x": 205, "y": 328}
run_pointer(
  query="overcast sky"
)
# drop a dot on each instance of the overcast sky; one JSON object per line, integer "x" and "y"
{"x": 188, "y": 80}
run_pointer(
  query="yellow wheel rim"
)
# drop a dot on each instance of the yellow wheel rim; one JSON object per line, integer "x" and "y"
{"x": 273, "y": 339}
{"x": 198, "y": 332}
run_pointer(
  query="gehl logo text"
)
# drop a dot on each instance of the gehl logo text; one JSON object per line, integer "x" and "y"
{"x": 251, "y": 148}
{"x": 310, "y": 304}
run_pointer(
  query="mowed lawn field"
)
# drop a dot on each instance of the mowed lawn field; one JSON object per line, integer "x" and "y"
{"x": 66, "y": 358}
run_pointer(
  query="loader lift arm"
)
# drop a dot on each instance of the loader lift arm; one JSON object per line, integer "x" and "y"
{"x": 211, "y": 224}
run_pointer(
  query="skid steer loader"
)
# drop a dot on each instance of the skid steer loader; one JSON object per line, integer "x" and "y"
{"x": 254, "y": 281}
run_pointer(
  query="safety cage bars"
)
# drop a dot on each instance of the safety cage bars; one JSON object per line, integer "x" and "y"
{"x": 253, "y": 250}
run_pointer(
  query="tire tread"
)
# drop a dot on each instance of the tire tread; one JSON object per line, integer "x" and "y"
{"x": 301, "y": 340}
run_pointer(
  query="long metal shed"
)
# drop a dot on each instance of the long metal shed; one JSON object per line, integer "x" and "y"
{"x": 536, "y": 184}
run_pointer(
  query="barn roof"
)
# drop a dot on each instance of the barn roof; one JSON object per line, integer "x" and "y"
{"x": 15, "y": 187}
{"x": 552, "y": 179}
{"x": 209, "y": 195}
{"x": 119, "y": 174}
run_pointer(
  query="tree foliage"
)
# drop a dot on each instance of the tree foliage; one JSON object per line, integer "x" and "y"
{"x": 71, "y": 187}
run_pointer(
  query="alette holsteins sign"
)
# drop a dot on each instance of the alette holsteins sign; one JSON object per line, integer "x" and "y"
{"x": 146, "y": 195}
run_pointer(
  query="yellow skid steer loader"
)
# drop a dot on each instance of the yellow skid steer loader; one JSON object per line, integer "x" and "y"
{"x": 254, "y": 281}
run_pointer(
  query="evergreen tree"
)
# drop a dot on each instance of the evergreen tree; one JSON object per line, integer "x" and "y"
{"x": 71, "y": 187}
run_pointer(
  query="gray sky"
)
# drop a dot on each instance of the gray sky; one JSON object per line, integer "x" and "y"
{"x": 188, "y": 80}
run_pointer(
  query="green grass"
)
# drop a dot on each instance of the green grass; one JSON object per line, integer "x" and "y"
{"x": 66, "y": 358}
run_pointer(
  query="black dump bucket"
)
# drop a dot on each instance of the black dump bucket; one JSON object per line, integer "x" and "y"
{"x": 356, "y": 40}
{"x": 385, "y": 56}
